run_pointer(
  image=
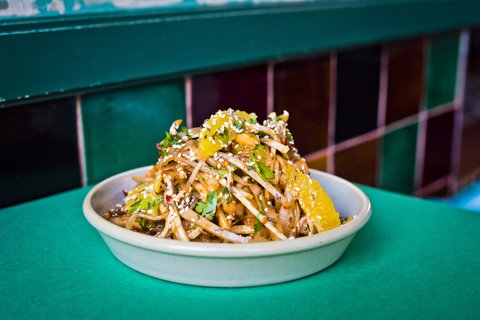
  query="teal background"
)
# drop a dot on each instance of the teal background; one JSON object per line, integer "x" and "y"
{"x": 413, "y": 260}
{"x": 121, "y": 128}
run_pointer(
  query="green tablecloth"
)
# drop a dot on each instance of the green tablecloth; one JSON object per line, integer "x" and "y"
{"x": 414, "y": 259}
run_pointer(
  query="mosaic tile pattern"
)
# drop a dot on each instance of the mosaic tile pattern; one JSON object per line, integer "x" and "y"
{"x": 303, "y": 88}
{"x": 442, "y": 69}
{"x": 244, "y": 89}
{"x": 336, "y": 102}
{"x": 122, "y": 127}
{"x": 319, "y": 163}
{"x": 357, "y": 96}
{"x": 358, "y": 163}
{"x": 405, "y": 79}
{"x": 438, "y": 147}
{"x": 39, "y": 150}
{"x": 398, "y": 159}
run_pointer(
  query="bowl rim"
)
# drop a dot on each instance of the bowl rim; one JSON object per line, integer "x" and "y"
{"x": 225, "y": 250}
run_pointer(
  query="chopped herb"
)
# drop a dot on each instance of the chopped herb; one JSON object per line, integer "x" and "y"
{"x": 207, "y": 209}
{"x": 279, "y": 118}
{"x": 223, "y": 137}
{"x": 184, "y": 130}
{"x": 260, "y": 167}
{"x": 289, "y": 137}
{"x": 144, "y": 204}
{"x": 263, "y": 170}
{"x": 169, "y": 140}
{"x": 257, "y": 226}
{"x": 225, "y": 191}
{"x": 220, "y": 172}
{"x": 262, "y": 134}
{"x": 239, "y": 125}
{"x": 252, "y": 119}
{"x": 145, "y": 224}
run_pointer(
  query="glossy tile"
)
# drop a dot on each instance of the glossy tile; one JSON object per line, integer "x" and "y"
{"x": 303, "y": 89}
{"x": 405, "y": 79}
{"x": 438, "y": 147}
{"x": 122, "y": 127}
{"x": 39, "y": 150}
{"x": 319, "y": 163}
{"x": 244, "y": 89}
{"x": 358, "y": 78}
{"x": 358, "y": 163}
{"x": 442, "y": 69}
{"x": 398, "y": 159}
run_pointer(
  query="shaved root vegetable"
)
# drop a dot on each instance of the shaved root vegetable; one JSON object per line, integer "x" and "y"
{"x": 231, "y": 180}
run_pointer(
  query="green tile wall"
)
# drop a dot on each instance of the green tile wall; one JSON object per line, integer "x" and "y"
{"x": 121, "y": 128}
{"x": 442, "y": 69}
{"x": 398, "y": 157}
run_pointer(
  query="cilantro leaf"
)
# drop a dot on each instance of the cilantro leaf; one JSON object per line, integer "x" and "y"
{"x": 169, "y": 140}
{"x": 260, "y": 167}
{"x": 225, "y": 191}
{"x": 257, "y": 226}
{"x": 184, "y": 130}
{"x": 207, "y": 209}
{"x": 238, "y": 125}
{"x": 263, "y": 170}
{"x": 223, "y": 137}
{"x": 289, "y": 137}
{"x": 144, "y": 204}
{"x": 145, "y": 224}
{"x": 220, "y": 172}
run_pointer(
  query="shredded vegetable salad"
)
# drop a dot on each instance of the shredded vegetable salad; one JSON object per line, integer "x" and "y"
{"x": 230, "y": 180}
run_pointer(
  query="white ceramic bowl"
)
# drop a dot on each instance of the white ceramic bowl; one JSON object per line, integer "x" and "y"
{"x": 225, "y": 264}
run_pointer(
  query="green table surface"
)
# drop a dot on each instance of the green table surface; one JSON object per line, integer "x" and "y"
{"x": 414, "y": 259}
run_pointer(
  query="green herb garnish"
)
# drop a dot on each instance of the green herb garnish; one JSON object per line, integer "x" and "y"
{"x": 207, "y": 209}
{"x": 223, "y": 137}
{"x": 252, "y": 119}
{"x": 238, "y": 125}
{"x": 225, "y": 191}
{"x": 260, "y": 167}
{"x": 145, "y": 224}
{"x": 169, "y": 140}
{"x": 144, "y": 204}
{"x": 220, "y": 172}
{"x": 257, "y": 226}
{"x": 289, "y": 137}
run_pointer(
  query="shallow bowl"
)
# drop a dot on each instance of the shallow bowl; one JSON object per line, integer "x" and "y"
{"x": 225, "y": 264}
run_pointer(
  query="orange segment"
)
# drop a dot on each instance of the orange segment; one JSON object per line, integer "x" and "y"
{"x": 313, "y": 199}
{"x": 209, "y": 142}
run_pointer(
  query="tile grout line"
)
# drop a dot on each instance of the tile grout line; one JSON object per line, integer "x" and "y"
{"x": 316, "y": 154}
{"x": 382, "y": 109}
{"x": 422, "y": 117}
{"x": 400, "y": 124}
{"x": 432, "y": 187}
{"x": 458, "y": 116}
{"x": 382, "y": 96}
{"x": 80, "y": 141}
{"x": 270, "y": 87}
{"x": 188, "y": 101}
{"x": 444, "y": 108}
{"x": 357, "y": 140}
{"x": 421, "y": 144}
{"x": 332, "y": 102}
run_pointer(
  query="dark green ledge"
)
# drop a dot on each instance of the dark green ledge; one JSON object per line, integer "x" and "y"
{"x": 74, "y": 54}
